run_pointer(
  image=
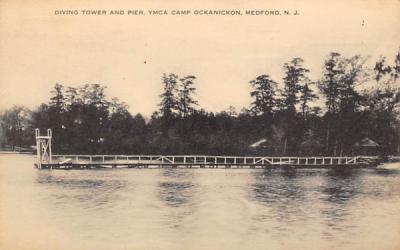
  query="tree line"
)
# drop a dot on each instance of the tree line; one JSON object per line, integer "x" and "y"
{"x": 302, "y": 117}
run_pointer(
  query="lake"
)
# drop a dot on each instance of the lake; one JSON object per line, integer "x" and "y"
{"x": 198, "y": 208}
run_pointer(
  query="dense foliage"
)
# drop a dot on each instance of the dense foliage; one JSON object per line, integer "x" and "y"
{"x": 358, "y": 103}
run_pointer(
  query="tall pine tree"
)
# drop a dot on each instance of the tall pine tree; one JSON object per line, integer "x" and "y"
{"x": 186, "y": 103}
{"x": 263, "y": 95}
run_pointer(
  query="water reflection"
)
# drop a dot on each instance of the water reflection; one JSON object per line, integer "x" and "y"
{"x": 176, "y": 190}
{"x": 178, "y": 174}
{"x": 281, "y": 192}
{"x": 303, "y": 195}
{"x": 198, "y": 208}
{"x": 47, "y": 178}
{"x": 338, "y": 194}
{"x": 276, "y": 187}
{"x": 81, "y": 188}
{"x": 386, "y": 171}
{"x": 175, "y": 194}
{"x": 342, "y": 185}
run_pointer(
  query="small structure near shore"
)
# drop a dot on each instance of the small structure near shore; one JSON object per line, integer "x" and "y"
{"x": 262, "y": 146}
{"x": 310, "y": 147}
{"x": 366, "y": 147}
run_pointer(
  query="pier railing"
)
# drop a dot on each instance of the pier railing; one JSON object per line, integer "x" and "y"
{"x": 199, "y": 161}
{"x": 202, "y": 159}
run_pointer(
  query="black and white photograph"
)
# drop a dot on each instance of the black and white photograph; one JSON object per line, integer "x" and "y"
{"x": 199, "y": 125}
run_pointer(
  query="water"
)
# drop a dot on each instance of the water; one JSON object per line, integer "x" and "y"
{"x": 197, "y": 208}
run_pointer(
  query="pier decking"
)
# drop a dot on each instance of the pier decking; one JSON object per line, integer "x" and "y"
{"x": 45, "y": 160}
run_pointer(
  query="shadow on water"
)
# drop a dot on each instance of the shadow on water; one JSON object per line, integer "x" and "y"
{"x": 87, "y": 189}
{"x": 176, "y": 191}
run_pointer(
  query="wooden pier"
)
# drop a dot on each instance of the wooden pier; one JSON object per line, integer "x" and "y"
{"x": 196, "y": 161}
{"x": 45, "y": 160}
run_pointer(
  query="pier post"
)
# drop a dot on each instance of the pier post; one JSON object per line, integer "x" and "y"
{"x": 37, "y": 134}
{"x": 49, "y": 135}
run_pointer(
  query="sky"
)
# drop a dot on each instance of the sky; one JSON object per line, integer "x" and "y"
{"x": 130, "y": 53}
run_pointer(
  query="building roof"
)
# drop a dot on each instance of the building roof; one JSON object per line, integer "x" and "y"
{"x": 258, "y": 143}
{"x": 311, "y": 143}
{"x": 366, "y": 142}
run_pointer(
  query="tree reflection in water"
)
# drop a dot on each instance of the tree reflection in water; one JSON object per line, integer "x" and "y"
{"x": 302, "y": 195}
{"x": 82, "y": 188}
{"x": 341, "y": 185}
{"x": 339, "y": 192}
{"x": 281, "y": 191}
{"x": 176, "y": 190}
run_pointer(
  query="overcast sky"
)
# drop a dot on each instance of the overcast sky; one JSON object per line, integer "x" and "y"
{"x": 129, "y": 53}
